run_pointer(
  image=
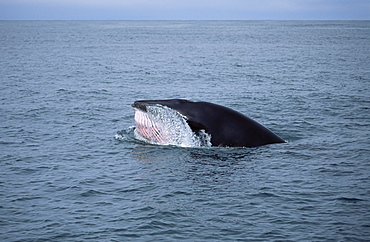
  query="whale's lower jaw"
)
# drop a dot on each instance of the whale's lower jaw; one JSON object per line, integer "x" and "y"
{"x": 148, "y": 128}
{"x": 161, "y": 125}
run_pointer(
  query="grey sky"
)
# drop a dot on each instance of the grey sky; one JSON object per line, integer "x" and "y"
{"x": 184, "y": 9}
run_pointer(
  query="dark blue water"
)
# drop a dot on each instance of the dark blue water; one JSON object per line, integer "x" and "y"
{"x": 71, "y": 169}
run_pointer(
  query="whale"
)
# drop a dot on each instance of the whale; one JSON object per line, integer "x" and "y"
{"x": 225, "y": 126}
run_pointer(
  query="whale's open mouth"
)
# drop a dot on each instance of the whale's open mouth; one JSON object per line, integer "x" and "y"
{"x": 157, "y": 124}
{"x": 150, "y": 127}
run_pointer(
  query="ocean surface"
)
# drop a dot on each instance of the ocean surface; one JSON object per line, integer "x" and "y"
{"x": 72, "y": 170}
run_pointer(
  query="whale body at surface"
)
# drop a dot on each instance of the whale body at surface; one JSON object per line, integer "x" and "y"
{"x": 226, "y": 127}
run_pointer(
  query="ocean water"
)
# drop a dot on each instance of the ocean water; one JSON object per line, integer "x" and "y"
{"x": 72, "y": 170}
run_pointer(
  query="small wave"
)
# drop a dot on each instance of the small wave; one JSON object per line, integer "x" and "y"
{"x": 126, "y": 134}
{"x": 350, "y": 199}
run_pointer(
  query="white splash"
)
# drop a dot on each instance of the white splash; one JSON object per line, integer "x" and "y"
{"x": 165, "y": 126}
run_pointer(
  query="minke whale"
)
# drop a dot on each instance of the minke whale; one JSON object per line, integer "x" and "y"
{"x": 226, "y": 127}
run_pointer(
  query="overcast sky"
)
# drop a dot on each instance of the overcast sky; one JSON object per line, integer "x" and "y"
{"x": 184, "y": 9}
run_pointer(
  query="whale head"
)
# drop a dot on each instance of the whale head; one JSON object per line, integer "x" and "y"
{"x": 165, "y": 122}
